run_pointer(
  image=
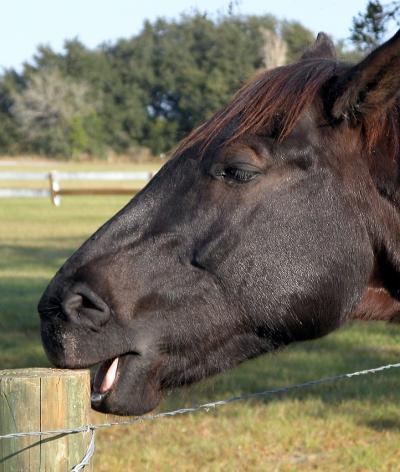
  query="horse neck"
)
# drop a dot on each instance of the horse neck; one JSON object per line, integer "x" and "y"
{"x": 397, "y": 159}
{"x": 396, "y": 200}
{"x": 385, "y": 171}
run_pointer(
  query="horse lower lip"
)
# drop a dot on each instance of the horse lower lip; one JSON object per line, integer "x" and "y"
{"x": 96, "y": 398}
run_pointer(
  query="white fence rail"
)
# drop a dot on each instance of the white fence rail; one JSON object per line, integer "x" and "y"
{"x": 54, "y": 178}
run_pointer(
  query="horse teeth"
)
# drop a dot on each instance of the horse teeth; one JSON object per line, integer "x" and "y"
{"x": 109, "y": 377}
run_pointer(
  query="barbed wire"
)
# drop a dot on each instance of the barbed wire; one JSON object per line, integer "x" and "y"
{"x": 182, "y": 411}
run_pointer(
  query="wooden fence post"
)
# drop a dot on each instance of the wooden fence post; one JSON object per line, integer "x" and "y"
{"x": 40, "y": 400}
{"x": 54, "y": 188}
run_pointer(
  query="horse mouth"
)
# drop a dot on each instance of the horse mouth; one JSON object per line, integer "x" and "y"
{"x": 105, "y": 379}
{"x": 109, "y": 374}
{"x": 121, "y": 385}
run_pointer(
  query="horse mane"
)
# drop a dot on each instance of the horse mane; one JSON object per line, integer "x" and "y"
{"x": 273, "y": 101}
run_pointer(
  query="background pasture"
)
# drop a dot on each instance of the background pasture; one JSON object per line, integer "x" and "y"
{"x": 352, "y": 425}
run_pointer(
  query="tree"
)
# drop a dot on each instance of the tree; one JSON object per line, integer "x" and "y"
{"x": 275, "y": 50}
{"x": 370, "y": 27}
{"x": 10, "y": 136}
{"x": 297, "y": 37}
{"x": 47, "y": 109}
{"x": 149, "y": 90}
{"x": 181, "y": 72}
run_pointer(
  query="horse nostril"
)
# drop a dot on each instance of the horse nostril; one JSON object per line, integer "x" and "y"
{"x": 82, "y": 306}
{"x": 72, "y": 303}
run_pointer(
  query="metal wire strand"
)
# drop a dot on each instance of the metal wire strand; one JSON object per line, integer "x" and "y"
{"x": 204, "y": 407}
{"x": 89, "y": 453}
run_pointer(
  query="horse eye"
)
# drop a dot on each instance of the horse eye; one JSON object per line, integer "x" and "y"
{"x": 238, "y": 174}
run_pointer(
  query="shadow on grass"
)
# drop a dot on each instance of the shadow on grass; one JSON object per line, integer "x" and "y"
{"x": 20, "y": 344}
{"x": 49, "y": 257}
{"x": 23, "y": 272}
{"x": 18, "y": 303}
{"x": 20, "y": 290}
{"x": 355, "y": 347}
{"x": 384, "y": 424}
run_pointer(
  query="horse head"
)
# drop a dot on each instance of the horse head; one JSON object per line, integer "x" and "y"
{"x": 275, "y": 221}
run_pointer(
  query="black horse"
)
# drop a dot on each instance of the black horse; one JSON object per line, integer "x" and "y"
{"x": 276, "y": 221}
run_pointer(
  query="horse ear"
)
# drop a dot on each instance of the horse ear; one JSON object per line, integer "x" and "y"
{"x": 323, "y": 48}
{"x": 369, "y": 87}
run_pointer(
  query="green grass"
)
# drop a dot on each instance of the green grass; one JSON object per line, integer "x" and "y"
{"x": 352, "y": 425}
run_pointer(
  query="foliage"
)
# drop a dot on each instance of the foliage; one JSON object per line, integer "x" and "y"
{"x": 370, "y": 27}
{"x": 9, "y": 129}
{"x": 146, "y": 91}
{"x": 297, "y": 37}
{"x": 344, "y": 53}
{"x": 49, "y": 110}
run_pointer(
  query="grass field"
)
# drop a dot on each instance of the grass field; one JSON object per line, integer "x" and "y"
{"x": 346, "y": 426}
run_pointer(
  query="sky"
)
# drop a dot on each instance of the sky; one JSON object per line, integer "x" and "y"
{"x": 28, "y": 23}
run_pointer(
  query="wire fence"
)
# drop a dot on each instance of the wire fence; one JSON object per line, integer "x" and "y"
{"x": 182, "y": 411}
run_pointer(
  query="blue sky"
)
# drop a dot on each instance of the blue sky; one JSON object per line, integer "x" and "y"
{"x": 27, "y": 23}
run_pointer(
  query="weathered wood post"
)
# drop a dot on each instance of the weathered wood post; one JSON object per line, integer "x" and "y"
{"x": 41, "y": 400}
{"x": 54, "y": 188}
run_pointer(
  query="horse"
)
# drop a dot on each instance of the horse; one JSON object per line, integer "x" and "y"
{"x": 275, "y": 221}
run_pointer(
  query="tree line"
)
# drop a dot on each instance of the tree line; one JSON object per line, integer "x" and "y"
{"x": 146, "y": 91}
